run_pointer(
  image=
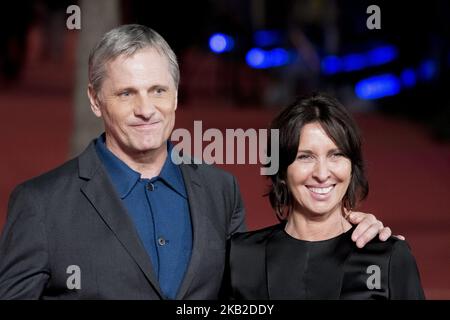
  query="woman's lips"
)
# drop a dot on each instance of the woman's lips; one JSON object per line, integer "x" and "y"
{"x": 321, "y": 193}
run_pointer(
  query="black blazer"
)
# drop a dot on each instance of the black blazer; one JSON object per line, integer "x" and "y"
{"x": 256, "y": 269}
{"x": 72, "y": 216}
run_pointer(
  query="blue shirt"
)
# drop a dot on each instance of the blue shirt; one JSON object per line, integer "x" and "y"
{"x": 160, "y": 211}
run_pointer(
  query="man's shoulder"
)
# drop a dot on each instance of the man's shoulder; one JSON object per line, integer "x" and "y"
{"x": 209, "y": 172}
{"x": 64, "y": 174}
{"x": 51, "y": 178}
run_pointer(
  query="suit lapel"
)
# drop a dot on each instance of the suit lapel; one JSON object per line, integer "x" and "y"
{"x": 197, "y": 207}
{"x": 100, "y": 192}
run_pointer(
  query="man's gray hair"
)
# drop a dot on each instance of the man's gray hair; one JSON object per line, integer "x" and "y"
{"x": 127, "y": 40}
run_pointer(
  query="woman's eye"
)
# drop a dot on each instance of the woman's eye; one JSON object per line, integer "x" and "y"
{"x": 337, "y": 155}
{"x": 304, "y": 157}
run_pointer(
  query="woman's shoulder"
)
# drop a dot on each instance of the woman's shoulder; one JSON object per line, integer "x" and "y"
{"x": 247, "y": 249}
{"x": 256, "y": 236}
{"x": 389, "y": 246}
{"x": 391, "y": 253}
{"x": 394, "y": 259}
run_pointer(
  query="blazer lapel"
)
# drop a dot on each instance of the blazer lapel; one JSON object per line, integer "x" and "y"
{"x": 344, "y": 251}
{"x": 100, "y": 192}
{"x": 197, "y": 207}
{"x": 277, "y": 272}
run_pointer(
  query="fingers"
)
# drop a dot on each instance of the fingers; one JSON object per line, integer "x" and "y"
{"x": 400, "y": 237}
{"x": 370, "y": 233}
{"x": 356, "y": 217}
{"x": 363, "y": 221}
{"x": 367, "y": 229}
{"x": 385, "y": 233}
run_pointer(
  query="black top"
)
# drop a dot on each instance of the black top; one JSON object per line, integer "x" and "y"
{"x": 270, "y": 264}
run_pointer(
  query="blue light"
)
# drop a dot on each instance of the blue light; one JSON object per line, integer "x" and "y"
{"x": 262, "y": 59}
{"x": 256, "y": 58}
{"x": 378, "y": 87}
{"x": 358, "y": 61}
{"x": 382, "y": 55}
{"x": 427, "y": 69}
{"x": 278, "y": 57}
{"x": 354, "y": 62}
{"x": 220, "y": 42}
{"x": 265, "y": 38}
{"x": 331, "y": 65}
{"x": 408, "y": 77}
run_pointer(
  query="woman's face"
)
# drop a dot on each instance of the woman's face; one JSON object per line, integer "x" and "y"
{"x": 319, "y": 177}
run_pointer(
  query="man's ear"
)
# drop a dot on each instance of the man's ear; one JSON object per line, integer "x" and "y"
{"x": 93, "y": 99}
{"x": 176, "y": 100}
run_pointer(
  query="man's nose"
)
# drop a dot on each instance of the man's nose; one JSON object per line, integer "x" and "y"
{"x": 144, "y": 107}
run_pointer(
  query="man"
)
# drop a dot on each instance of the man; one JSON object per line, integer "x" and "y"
{"x": 122, "y": 221}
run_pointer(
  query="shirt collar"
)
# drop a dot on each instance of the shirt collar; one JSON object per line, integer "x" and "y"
{"x": 171, "y": 173}
{"x": 124, "y": 178}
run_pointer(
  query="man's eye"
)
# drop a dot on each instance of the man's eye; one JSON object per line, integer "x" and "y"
{"x": 125, "y": 94}
{"x": 160, "y": 90}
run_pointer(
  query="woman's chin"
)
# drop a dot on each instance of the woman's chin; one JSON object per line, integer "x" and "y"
{"x": 321, "y": 209}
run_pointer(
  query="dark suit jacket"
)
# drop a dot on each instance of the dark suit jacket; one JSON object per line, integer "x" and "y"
{"x": 73, "y": 216}
{"x": 256, "y": 269}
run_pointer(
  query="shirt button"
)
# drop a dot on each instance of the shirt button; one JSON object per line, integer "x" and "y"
{"x": 150, "y": 186}
{"x": 161, "y": 241}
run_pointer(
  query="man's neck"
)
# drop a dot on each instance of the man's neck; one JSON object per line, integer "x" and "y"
{"x": 149, "y": 163}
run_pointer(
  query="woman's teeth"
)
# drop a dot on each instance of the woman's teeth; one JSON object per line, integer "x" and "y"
{"x": 321, "y": 190}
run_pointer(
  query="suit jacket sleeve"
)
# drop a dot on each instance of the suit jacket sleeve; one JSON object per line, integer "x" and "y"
{"x": 24, "y": 268}
{"x": 404, "y": 278}
{"x": 237, "y": 223}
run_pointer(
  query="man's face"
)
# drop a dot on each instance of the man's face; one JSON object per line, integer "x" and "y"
{"x": 137, "y": 101}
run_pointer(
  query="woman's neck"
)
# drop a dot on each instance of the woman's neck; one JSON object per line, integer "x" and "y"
{"x": 311, "y": 227}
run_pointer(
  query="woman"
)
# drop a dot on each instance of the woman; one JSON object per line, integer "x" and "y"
{"x": 310, "y": 254}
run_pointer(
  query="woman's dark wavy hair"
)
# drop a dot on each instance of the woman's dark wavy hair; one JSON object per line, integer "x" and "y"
{"x": 338, "y": 125}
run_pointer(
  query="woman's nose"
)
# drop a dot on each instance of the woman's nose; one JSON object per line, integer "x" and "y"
{"x": 321, "y": 170}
